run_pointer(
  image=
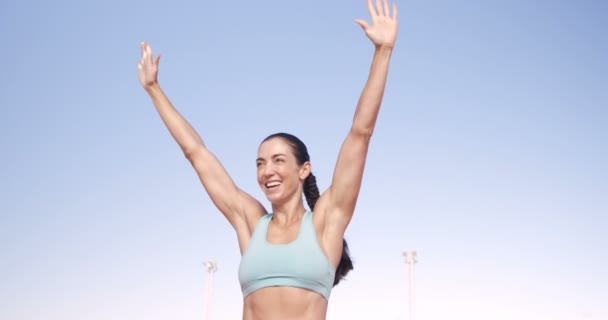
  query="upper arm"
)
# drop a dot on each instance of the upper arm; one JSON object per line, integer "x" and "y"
{"x": 348, "y": 173}
{"x": 239, "y": 208}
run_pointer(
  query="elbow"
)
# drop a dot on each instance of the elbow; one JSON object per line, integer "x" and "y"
{"x": 192, "y": 152}
{"x": 362, "y": 132}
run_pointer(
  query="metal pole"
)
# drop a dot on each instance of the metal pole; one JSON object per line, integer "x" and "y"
{"x": 410, "y": 259}
{"x": 211, "y": 268}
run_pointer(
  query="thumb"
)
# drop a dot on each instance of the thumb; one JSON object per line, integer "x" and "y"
{"x": 156, "y": 60}
{"x": 362, "y": 23}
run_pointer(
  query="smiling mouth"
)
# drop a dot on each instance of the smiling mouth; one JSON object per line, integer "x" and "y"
{"x": 272, "y": 184}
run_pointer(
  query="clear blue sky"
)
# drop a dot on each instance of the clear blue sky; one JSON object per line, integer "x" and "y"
{"x": 489, "y": 156}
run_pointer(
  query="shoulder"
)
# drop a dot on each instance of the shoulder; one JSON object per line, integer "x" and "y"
{"x": 251, "y": 216}
{"x": 258, "y": 220}
{"x": 328, "y": 218}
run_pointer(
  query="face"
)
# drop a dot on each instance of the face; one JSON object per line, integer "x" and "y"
{"x": 279, "y": 175}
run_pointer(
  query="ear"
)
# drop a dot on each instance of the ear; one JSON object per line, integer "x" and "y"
{"x": 305, "y": 170}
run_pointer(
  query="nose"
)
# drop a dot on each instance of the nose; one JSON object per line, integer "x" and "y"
{"x": 268, "y": 170}
{"x": 265, "y": 170}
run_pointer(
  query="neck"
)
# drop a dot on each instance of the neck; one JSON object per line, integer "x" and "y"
{"x": 288, "y": 212}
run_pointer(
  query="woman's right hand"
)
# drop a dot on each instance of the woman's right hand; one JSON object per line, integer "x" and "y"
{"x": 147, "y": 67}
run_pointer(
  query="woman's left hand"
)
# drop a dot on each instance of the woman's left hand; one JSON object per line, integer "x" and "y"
{"x": 383, "y": 29}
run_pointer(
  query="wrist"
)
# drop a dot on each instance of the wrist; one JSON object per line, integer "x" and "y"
{"x": 152, "y": 87}
{"x": 383, "y": 53}
{"x": 385, "y": 50}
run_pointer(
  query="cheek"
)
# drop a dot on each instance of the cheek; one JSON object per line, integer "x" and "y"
{"x": 258, "y": 172}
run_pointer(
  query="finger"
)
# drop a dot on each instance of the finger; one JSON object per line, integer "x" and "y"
{"x": 386, "y": 11}
{"x": 142, "y": 46}
{"x": 148, "y": 53}
{"x": 379, "y": 8}
{"x": 395, "y": 11}
{"x": 362, "y": 23}
{"x": 139, "y": 65}
{"x": 370, "y": 8}
{"x": 144, "y": 54}
{"x": 157, "y": 60}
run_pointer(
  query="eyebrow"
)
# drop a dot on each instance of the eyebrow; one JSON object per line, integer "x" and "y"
{"x": 273, "y": 156}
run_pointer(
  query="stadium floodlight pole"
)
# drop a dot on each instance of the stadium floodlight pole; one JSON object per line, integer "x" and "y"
{"x": 211, "y": 268}
{"x": 410, "y": 260}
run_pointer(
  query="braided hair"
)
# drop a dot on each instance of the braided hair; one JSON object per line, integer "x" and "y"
{"x": 311, "y": 193}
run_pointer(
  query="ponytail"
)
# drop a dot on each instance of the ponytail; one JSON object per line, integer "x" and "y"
{"x": 311, "y": 192}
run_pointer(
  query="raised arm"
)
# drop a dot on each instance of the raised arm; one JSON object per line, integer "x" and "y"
{"x": 237, "y": 206}
{"x": 346, "y": 183}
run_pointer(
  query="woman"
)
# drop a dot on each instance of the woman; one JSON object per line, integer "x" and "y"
{"x": 291, "y": 258}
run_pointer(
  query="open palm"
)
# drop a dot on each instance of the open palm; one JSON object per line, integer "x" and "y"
{"x": 147, "y": 67}
{"x": 383, "y": 29}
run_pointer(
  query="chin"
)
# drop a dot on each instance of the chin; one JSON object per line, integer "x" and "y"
{"x": 275, "y": 199}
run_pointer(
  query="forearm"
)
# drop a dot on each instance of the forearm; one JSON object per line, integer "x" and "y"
{"x": 183, "y": 133}
{"x": 371, "y": 97}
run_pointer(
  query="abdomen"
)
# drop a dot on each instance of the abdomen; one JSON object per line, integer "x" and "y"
{"x": 280, "y": 303}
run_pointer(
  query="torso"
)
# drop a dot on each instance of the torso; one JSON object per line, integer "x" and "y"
{"x": 279, "y": 303}
{"x": 290, "y": 302}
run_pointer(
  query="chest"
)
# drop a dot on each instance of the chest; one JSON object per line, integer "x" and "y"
{"x": 282, "y": 234}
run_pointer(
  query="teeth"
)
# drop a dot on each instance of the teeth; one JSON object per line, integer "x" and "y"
{"x": 272, "y": 184}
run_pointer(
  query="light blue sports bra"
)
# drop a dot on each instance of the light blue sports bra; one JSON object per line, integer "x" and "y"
{"x": 300, "y": 263}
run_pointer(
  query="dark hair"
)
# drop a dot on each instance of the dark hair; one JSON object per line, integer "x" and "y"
{"x": 311, "y": 192}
